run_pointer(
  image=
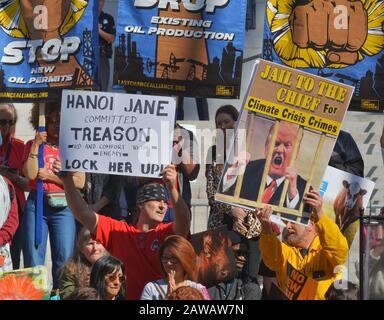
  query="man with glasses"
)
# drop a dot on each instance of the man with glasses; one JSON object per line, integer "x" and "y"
{"x": 136, "y": 246}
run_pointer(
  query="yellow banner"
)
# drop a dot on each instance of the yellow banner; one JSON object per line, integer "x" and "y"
{"x": 302, "y": 118}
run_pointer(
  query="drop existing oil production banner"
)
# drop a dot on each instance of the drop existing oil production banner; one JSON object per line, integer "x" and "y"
{"x": 114, "y": 133}
{"x": 186, "y": 48}
{"x": 46, "y": 46}
{"x": 342, "y": 40}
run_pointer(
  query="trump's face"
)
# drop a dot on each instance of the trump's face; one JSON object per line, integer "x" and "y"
{"x": 282, "y": 149}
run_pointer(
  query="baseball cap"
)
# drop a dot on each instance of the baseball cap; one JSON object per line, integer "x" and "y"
{"x": 151, "y": 191}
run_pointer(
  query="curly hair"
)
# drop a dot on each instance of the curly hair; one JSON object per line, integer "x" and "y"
{"x": 50, "y": 108}
{"x": 186, "y": 293}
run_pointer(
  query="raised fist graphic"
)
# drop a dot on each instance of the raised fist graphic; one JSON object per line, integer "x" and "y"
{"x": 45, "y": 23}
{"x": 341, "y": 26}
{"x": 56, "y": 12}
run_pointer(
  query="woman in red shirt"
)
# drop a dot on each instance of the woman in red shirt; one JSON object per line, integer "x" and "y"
{"x": 57, "y": 217}
{"x": 11, "y": 167}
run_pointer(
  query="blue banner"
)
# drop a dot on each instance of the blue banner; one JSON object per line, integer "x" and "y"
{"x": 46, "y": 46}
{"x": 180, "y": 47}
{"x": 342, "y": 40}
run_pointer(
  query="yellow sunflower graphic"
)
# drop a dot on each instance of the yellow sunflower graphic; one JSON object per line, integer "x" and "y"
{"x": 311, "y": 34}
{"x": 12, "y": 17}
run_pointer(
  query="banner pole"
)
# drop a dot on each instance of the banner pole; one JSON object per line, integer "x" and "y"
{"x": 40, "y": 186}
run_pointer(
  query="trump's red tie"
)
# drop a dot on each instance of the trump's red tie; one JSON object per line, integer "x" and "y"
{"x": 268, "y": 192}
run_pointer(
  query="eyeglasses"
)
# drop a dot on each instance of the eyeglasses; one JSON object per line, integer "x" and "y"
{"x": 4, "y": 122}
{"x": 113, "y": 277}
{"x": 173, "y": 260}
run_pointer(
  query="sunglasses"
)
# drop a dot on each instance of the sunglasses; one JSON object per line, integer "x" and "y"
{"x": 4, "y": 122}
{"x": 113, "y": 277}
{"x": 173, "y": 260}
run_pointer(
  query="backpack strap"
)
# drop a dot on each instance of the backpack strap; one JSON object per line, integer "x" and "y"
{"x": 160, "y": 290}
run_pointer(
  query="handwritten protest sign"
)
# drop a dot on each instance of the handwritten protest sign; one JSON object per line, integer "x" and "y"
{"x": 116, "y": 133}
{"x": 292, "y": 120}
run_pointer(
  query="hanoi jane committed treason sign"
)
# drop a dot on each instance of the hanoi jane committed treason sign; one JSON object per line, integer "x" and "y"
{"x": 46, "y": 46}
{"x": 292, "y": 120}
{"x": 116, "y": 133}
{"x": 187, "y": 48}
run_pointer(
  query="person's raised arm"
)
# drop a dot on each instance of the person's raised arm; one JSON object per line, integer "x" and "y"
{"x": 31, "y": 165}
{"x": 332, "y": 240}
{"x": 270, "y": 245}
{"x": 181, "y": 211}
{"x": 76, "y": 203}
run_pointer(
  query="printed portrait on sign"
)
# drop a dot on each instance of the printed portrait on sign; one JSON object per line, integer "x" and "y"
{"x": 216, "y": 260}
{"x": 276, "y": 166}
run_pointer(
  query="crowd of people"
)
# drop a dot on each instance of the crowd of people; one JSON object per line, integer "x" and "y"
{"x": 139, "y": 248}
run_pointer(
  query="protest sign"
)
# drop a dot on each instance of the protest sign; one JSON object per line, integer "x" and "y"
{"x": 24, "y": 284}
{"x": 345, "y": 197}
{"x": 45, "y": 47}
{"x": 216, "y": 260}
{"x": 115, "y": 133}
{"x": 292, "y": 120}
{"x": 180, "y": 47}
{"x": 340, "y": 40}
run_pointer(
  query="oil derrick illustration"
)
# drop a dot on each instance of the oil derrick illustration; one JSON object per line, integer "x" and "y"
{"x": 379, "y": 76}
{"x": 192, "y": 70}
{"x": 168, "y": 68}
{"x": 366, "y": 86}
{"x": 120, "y": 58}
{"x": 213, "y": 71}
{"x": 268, "y": 49}
{"x": 195, "y": 49}
{"x": 135, "y": 67}
{"x": 349, "y": 80}
{"x": 227, "y": 62}
{"x": 238, "y": 66}
{"x": 82, "y": 76}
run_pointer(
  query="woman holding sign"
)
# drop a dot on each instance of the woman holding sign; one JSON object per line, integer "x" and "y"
{"x": 57, "y": 217}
